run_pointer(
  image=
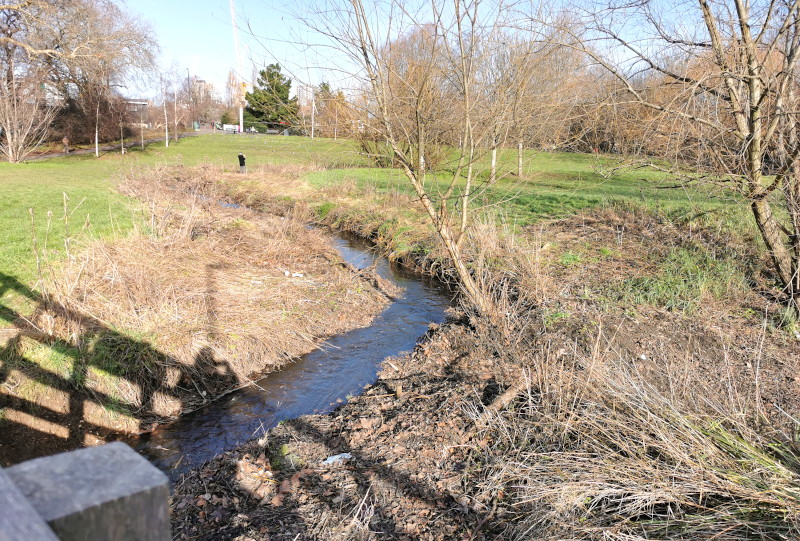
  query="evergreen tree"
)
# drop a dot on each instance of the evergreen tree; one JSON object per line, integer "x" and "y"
{"x": 269, "y": 101}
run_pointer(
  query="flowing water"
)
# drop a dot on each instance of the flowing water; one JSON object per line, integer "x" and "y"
{"x": 315, "y": 383}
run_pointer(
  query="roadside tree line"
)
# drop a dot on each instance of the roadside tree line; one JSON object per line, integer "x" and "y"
{"x": 67, "y": 68}
{"x": 63, "y": 63}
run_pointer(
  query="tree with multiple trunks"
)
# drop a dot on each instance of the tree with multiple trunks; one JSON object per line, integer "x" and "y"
{"x": 441, "y": 85}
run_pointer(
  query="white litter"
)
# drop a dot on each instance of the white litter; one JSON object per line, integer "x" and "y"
{"x": 337, "y": 459}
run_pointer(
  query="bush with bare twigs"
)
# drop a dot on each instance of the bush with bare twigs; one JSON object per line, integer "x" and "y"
{"x": 589, "y": 448}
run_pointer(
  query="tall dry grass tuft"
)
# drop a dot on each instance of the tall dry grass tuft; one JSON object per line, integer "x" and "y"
{"x": 589, "y": 449}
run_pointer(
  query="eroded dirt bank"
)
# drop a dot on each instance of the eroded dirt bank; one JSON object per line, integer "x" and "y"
{"x": 406, "y": 437}
{"x": 476, "y": 437}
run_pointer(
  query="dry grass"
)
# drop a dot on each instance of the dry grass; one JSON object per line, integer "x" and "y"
{"x": 202, "y": 298}
{"x": 590, "y": 449}
{"x": 588, "y": 443}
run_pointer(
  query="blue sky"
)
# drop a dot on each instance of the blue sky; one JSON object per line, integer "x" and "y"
{"x": 198, "y": 35}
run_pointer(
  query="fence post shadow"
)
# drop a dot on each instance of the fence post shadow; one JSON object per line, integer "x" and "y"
{"x": 44, "y": 412}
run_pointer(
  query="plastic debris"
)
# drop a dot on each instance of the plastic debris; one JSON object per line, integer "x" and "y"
{"x": 337, "y": 459}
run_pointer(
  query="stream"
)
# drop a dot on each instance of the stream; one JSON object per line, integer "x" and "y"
{"x": 315, "y": 383}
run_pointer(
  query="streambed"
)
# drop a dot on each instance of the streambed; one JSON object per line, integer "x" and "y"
{"x": 316, "y": 383}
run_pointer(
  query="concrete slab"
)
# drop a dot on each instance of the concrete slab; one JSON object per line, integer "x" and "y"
{"x": 99, "y": 493}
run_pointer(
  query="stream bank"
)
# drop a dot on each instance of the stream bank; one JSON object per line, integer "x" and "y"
{"x": 315, "y": 383}
{"x": 138, "y": 330}
{"x": 480, "y": 434}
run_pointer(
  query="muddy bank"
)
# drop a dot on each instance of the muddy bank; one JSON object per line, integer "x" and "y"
{"x": 588, "y": 417}
{"x": 402, "y": 479}
{"x": 315, "y": 383}
{"x": 436, "y": 450}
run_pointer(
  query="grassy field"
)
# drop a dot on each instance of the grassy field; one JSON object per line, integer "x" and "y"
{"x": 96, "y": 209}
{"x": 556, "y": 184}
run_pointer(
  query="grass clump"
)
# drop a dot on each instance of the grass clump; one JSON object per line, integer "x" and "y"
{"x": 590, "y": 450}
{"x": 683, "y": 279}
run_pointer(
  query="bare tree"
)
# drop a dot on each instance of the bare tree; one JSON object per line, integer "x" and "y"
{"x": 24, "y": 115}
{"x": 165, "y": 106}
{"x": 205, "y": 104}
{"x": 334, "y": 113}
{"x": 720, "y": 81}
{"x": 122, "y": 49}
{"x": 81, "y": 50}
{"x": 430, "y": 87}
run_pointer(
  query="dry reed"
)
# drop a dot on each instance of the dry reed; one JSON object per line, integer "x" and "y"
{"x": 590, "y": 449}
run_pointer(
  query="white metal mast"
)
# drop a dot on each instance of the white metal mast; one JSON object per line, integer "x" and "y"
{"x": 238, "y": 63}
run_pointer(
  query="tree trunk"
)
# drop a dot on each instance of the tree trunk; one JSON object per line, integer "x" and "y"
{"x": 495, "y": 142}
{"x": 175, "y": 118}
{"x": 519, "y": 158}
{"x": 474, "y": 293}
{"x": 772, "y": 235}
{"x": 166, "y": 125}
{"x": 97, "y": 131}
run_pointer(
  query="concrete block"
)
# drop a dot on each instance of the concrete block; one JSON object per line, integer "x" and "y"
{"x": 19, "y": 521}
{"x": 106, "y": 493}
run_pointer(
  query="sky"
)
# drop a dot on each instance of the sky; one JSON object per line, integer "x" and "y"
{"x": 198, "y": 35}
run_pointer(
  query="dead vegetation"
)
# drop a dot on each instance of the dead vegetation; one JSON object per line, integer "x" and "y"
{"x": 534, "y": 440}
{"x": 590, "y": 449}
{"x": 582, "y": 415}
{"x": 203, "y": 296}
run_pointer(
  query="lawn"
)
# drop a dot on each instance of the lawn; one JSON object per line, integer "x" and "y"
{"x": 94, "y": 206}
{"x": 558, "y": 183}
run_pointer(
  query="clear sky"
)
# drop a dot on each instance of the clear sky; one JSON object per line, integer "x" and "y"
{"x": 197, "y": 35}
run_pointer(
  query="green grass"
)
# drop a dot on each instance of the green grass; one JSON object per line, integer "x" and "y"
{"x": 555, "y": 184}
{"x": 569, "y": 259}
{"x": 683, "y": 279}
{"x": 558, "y": 184}
{"x": 97, "y": 210}
{"x": 94, "y": 207}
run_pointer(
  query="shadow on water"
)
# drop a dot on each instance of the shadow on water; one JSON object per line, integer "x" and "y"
{"x": 315, "y": 383}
